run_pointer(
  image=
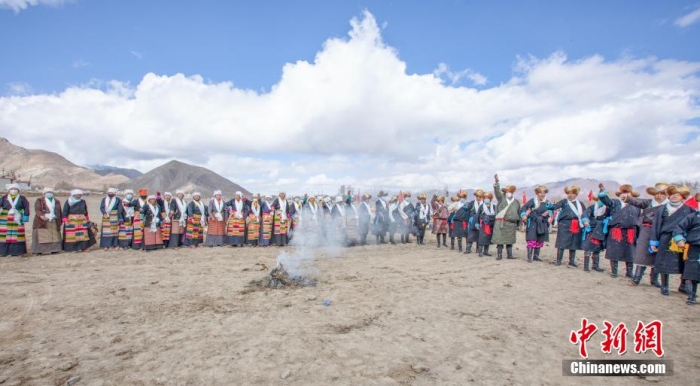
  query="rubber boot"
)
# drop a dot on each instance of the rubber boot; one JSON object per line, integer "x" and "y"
{"x": 596, "y": 263}
{"x": 586, "y": 261}
{"x": 681, "y": 287}
{"x": 469, "y": 248}
{"x": 638, "y": 274}
{"x": 480, "y": 250}
{"x": 529, "y": 255}
{"x": 692, "y": 288}
{"x": 628, "y": 270}
{"x": 452, "y": 243}
{"x": 613, "y": 267}
{"x": 536, "y": 254}
{"x": 486, "y": 251}
{"x": 664, "y": 284}
{"x": 509, "y": 249}
{"x": 438, "y": 241}
{"x": 654, "y": 278}
{"x": 560, "y": 256}
{"x": 499, "y": 252}
{"x": 572, "y": 258}
{"x": 444, "y": 240}
{"x": 459, "y": 244}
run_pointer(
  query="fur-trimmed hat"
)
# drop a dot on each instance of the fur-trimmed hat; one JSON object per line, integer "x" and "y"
{"x": 509, "y": 189}
{"x": 488, "y": 195}
{"x": 573, "y": 189}
{"x": 394, "y": 198}
{"x": 541, "y": 189}
{"x": 462, "y": 195}
{"x": 479, "y": 193}
{"x": 407, "y": 194}
{"x": 422, "y": 196}
{"x": 454, "y": 198}
{"x": 684, "y": 191}
{"x": 660, "y": 187}
{"x": 626, "y": 188}
{"x": 366, "y": 196}
{"x": 441, "y": 199}
{"x": 382, "y": 194}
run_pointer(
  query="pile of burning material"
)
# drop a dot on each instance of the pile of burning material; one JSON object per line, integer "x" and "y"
{"x": 280, "y": 278}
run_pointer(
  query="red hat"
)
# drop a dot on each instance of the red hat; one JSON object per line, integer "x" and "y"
{"x": 143, "y": 192}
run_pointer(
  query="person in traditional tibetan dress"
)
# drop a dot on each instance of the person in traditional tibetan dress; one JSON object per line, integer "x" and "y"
{"x": 77, "y": 235}
{"x": 473, "y": 223}
{"x": 593, "y": 242}
{"x": 461, "y": 220}
{"x": 126, "y": 229}
{"x": 112, "y": 215}
{"x": 266, "y": 219}
{"x": 152, "y": 222}
{"x": 216, "y": 230}
{"x": 485, "y": 222}
{"x": 365, "y": 218}
{"x": 535, "y": 215}
{"x": 296, "y": 217}
{"x": 394, "y": 218}
{"x": 440, "y": 215}
{"x": 167, "y": 209}
{"x": 178, "y": 220}
{"x": 46, "y": 228}
{"x": 620, "y": 228}
{"x": 687, "y": 237}
{"x": 253, "y": 221}
{"x": 642, "y": 257}
{"x": 569, "y": 229}
{"x": 507, "y": 219}
{"x": 454, "y": 206}
{"x": 139, "y": 203}
{"x": 196, "y": 213}
{"x": 381, "y": 218}
{"x": 237, "y": 215}
{"x": 669, "y": 257}
{"x": 421, "y": 218}
{"x": 328, "y": 231}
{"x": 284, "y": 210}
{"x": 406, "y": 216}
{"x": 14, "y": 213}
{"x": 352, "y": 223}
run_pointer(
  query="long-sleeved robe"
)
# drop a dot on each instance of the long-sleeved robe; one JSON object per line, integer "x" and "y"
{"x": 620, "y": 228}
{"x": 112, "y": 216}
{"x": 14, "y": 213}
{"x": 46, "y": 227}
{"x": 507, "y": 218}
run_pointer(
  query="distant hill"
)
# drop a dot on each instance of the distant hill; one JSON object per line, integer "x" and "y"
{"x": 46, "y": 168}
{"x": 105, "y": 170}
{"x": 176, "y": 175}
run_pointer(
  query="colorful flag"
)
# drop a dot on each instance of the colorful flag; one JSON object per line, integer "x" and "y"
{"x": 590, "y": 195}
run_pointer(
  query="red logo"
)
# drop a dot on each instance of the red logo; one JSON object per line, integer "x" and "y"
{"x": 646, "y": 337}
{"x": 583, "y": 335}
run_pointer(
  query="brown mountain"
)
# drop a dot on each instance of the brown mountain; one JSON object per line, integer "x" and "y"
{"x": 176, "y": 175}
{"x": 46, "y": 168}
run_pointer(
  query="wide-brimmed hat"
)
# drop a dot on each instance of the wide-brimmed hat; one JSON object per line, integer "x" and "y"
{"x": 684, "y": 191}
{"x": 572, "y": 190}
{"x": 454, "y": 198}
{"x": 660, "y": 187}
{"x": 382, "y": 194}
{"x": 488, "y": 195}
{"x": 509, "y": 189}
{"x": 479, "y": 193}
{"x": 626, "y": 188}
{"x": 462, "y": 195}
{"x": 422, "y": 196}
{"x": 366, "y": 196}
{"x": 541, "y": 189}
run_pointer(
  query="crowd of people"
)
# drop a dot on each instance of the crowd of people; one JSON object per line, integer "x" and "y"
{"x": 661, "y": 233}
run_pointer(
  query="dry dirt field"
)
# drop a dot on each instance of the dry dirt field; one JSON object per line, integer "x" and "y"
{"x": 403, "y": 314}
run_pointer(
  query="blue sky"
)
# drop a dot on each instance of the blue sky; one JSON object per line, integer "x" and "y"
{"x": 248, "y": 42}
{"x": 311, "y": 95}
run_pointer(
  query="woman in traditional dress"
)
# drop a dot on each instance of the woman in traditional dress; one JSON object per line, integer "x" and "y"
{"x": 669, "y": 257}
{"x": 216, "y": 233}
{"x": 687, "y": 237}
{"x": 535, "y": 215}
{"x": 339, "y": 221}
{"x": 282, "y": 220}
{"x": 237, "y": 214}
{"x": 311, "y": 222}
{"x": 126, "y": 229}
{"x": 77, "y": 235}
{"x": 178, "y": 222}
{"x": 352, "y": 223}
{"x": 569, "y": 229}
{"x": 327, "y": 229}
{"x": 621, "y": 228}
{"x": 46, "y": 228}
{"x": 254, "y": 222}
{"x": 139, "y": 203}
{"x": 112, "y": 216}
{"x": 642, "y": 257}
{"x": 267, "y": 217}
{"x": 14, "y": 213}
{"x": 421, "y": 218}
{"x": 152, "y": 221}
{"x": 197, "y": 214}
{"x": 485, "y": 222}
{"x": 440, "y": 215}
{"x": 167, "y": 213}
{"x": 593, "y": 242}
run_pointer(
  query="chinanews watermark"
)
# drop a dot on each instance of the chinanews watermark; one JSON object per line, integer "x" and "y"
{"x": 647, "y": 337}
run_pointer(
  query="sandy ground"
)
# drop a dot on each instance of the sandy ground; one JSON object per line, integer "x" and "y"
{"x": 403, "y": 314}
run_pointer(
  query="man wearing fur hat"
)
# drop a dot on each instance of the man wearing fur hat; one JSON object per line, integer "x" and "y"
{"x": 394, "y": 218}
{"x": 569, "y": 229}
{"x": 422, "y": 217}
{"x": 621, "y": 228}
{"x": 535, "y": 215}
{"x": 642, "y": 257}
{"x": 365, "y": 218}
{"x": 593, "y": 236}
{"x": 485, "y": 223}
{"x": 453, "y": 208}
{"x": 473, "y": 222}
{"x": 381, "y": 220}
{"x": 461, "y": 219}
{"x": 112, "y": 215}
{"x": 669, "y": 257}
{"x": 440, "y": 216}
{"x": 406, "y": 214}
{"x": 687, "y": 237}
{"x": 507, "y": 219}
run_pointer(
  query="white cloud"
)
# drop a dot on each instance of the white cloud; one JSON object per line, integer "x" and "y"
{"x": 19, "y": 88}
{"x": 354, "y": 116}
{"x": 78, "y": 63}
{"x": 443, "y": 71}
{"x": 20, "y": 5}
{"x": 688, "y": 19}
{"x": 137, "y": 54}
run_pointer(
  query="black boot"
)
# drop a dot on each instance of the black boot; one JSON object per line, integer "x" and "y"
{"x": 681, "y": 287}
{"x": 628, "y": 270}
{"x": 692, "y": 288}
{"x": 378, "y": 238}
{"x": 509, "y": 249}
{"x": 459, "y": 244}
{"x": 536, "y": 254}
{"x": 401, "y": 237}
{"x": 363, "y": 240}
{"x": 664, "y": 284}
{"x": 438, "y": 241}
{"x": 408, "y": 240}
{"x": 596, "y": 263}
{"x": 613, "y": 267}
{"x": 444, "y": 240}
{"x": 529, "y": 255}
{"x": 499, "y": 252}
{"x": 452, "y": 243}
{"x": 480, "y": 250}
{"x": 391, "y": 238}
{"x": 560, "y": 256}
{"x": 586, "y": 261}
{"x": 638, "y": 274}
{"x": 383, "y": 238}
{"x": 469, "y": 248}
{"x": 486, "y": 251}
{"x": 572, "y": 258}
{"x": 654, "y": 278}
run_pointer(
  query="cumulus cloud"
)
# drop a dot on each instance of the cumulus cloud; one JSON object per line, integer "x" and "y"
{"x": 19, "y": 5}
{"x": 689, "y": 18}
{"x": 354, "y": 116}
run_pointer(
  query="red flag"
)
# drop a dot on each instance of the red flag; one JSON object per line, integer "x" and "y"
{"x": 358, "y": 196}
{"x": 590, "y": 195}
{"x": 524, "y": 198}
{"x": 692, "y": 202}
{"x": 401, "y": 196}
